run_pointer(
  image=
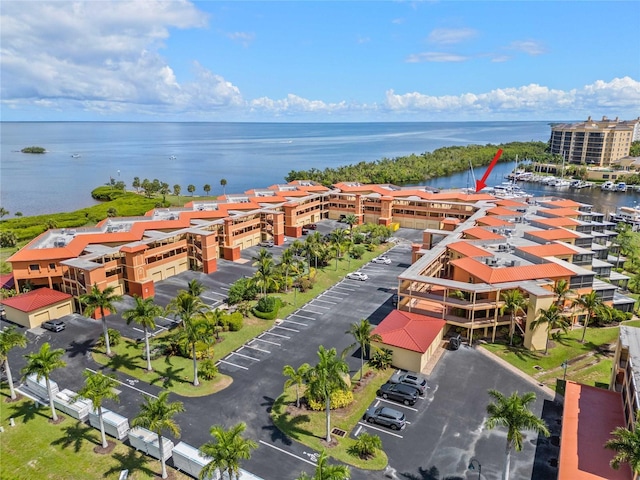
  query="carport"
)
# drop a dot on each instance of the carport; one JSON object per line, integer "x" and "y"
{"x": 33, "y": 308}
{"x": 413, "y": 338}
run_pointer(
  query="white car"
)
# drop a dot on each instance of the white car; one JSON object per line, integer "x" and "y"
{"x": 382, "y": 259}
{"x": 357, "y": 276}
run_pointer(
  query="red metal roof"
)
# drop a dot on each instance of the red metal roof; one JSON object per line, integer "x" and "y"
{"x": 589, "y": 416}
{"x": 7, "y": 281}
{"x": 410, "y": 331}
{"x": 36, "y": 299}
{"x": 492, "y": 275}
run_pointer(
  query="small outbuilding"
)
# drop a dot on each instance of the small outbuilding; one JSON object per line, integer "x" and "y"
{"x": 33, "y": 308}
{"x": 413, "y": 338}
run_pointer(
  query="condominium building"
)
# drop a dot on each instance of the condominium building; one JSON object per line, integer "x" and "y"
{"x": 596, "y": 143}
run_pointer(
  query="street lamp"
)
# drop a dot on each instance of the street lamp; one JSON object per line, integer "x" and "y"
{"x": 472, "y": 466}
{"x": 564, "y": 365}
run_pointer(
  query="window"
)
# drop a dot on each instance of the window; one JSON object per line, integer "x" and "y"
{"x": 52, "y": 266}
{"x": 34, "y": 267}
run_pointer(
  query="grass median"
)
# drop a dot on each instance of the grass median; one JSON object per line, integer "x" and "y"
{"x": 309, "y": 427}
{"x": 37, "y": 448}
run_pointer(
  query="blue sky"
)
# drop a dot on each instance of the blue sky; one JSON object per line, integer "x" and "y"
{"x": 318, "y": 61}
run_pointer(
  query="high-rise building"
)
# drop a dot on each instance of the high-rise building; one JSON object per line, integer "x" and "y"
{"x": 596, "y": 143}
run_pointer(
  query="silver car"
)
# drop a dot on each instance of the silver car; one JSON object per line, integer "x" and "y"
{"x": 357, "y": 276}
{"x": 386, "y": 416}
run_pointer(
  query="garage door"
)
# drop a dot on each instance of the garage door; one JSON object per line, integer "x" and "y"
{"x": 40, "y": 317}
{"x": 157, "y": 276}
{"x": 62, "y": 310}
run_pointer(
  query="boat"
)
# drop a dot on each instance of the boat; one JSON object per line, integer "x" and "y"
{"x": 75, "y": 155}
{"x": 173, "y": 157}
{"x": 561, "y": 183}
{"x": 621, "y": 187}
{"x": 628, "y": 215}
{"x": 608, "y": 186}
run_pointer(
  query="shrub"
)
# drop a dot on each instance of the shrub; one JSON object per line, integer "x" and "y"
{"x": 381, "y": 359}
{"x": 357, "y": 251}
{"x": 304, "y": 284}
{"x": 208, "y": 369}
{"x": 267, "y": 304}
{"x": 366, "y": 446}
{"x": 242, "y": 289}
{"x": 339, "y": 399}
{"x": 114, "y": 338}
{"x": 33, "y": 149}
{"x": 8, "y": 239}
{"x": 234, "y": 321}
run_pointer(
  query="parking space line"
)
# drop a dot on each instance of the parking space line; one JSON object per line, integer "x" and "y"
{"x": 368, "y": 425}
{"x": 346, "y": 288}
{"x": 224, "y": 288}
{"x": 402, "y": 405}
{"x": 276, "y": 334}
{"x": 311, "y": 304}
{"x": 128, "y": 386}
{"x": 170, "y": 319}
{"x": 213, "y": 293}
{"x": 285, "y": 328}
{"x": 325, "y": 301}
{"x": 295, "y": 323}
{"x": 255, "y": 348}
{"x": 268, "y": 341}
{"x": 229, "y": 363}
{"x": 312, "y": 311}
{"x": 244, "y": 356}
{"x": 329, "y": 296}
{"x": 288, "y": 453}
{"x": 301, "y": 316}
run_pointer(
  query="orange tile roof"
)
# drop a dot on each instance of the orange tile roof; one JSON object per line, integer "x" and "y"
{"x": 589, "y": 416}
{"x": 502, "y": 212}
{"x": 508, "y": 202}
{"x": 554, "y": 234}
{"x": 492, "y": 221}
{"x": 36, "y": 299}
{"x": 562, "y": 203}
{"x": 410, "y": 331}
{"x": 491, "y": 275}
{"x": 551, "y": 250}
{"x": 451, "y": 221}
{"x": 560, "y": 212}
{"x": 7, "y": 281}
{"x": 557, "y": 221}
{"x": 481, "y": 234}
{"x": 469, "y": 250}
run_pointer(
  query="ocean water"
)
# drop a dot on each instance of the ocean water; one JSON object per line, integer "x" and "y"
{"x": 83, "y": 155}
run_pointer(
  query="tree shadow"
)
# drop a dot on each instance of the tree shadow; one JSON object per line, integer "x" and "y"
{"x": 169, "y": 376}
{"x": 523, "y": 354}
{"x": 431, "y": 473}
{"x": 76, "y": 349}
{"x": 27, "y": 410}
{"x": 75, "y": 435}
{"x": 119, "y": 361}
{"x": 132, "y": 460}
{"x": 286, "y": 426}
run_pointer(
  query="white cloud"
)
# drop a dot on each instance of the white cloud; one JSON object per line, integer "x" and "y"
{"x": 448, "y": 36}
{"x": 530, "y": 47}
{"x": 245, "y": 38}
{"x": 435, "y": 57}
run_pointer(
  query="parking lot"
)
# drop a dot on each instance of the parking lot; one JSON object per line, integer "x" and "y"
{"x": 445, "y": 426}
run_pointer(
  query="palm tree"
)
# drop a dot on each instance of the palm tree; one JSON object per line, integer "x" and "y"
{"x": 194, "y": 331}
{"x": 101, "y": 300}
{"x": 206, "y": 188}
{"x": 195, "y": 288}
{"x": 264, "y": 278}
{"x": 9, "y": 339}
{"x": 226, "y": 451}
{"x": 41, "y": 364}
{"x": 185, "y": 306}
{"x": 325, "y": 378}
{"x": 324, "y": 471}
{"x": 590, "y": 302}
{"x": 144, "y": 314}
{"x": 296, "y": 377}
{"x": 177, "y": 189}
{"x": 515, "y": 303}
{"x": 351, "y": 220}
{"x": 157, "y": 415}
{"x": 626, "y": 444}
{"x": 514, "y": 414}
{"x": 562, "y": 291}
{"x": 361, "y": 332}
{"x": 191, "y": 188}
{"x": 97, "y": 388}
{"x": 223, "y": 183}
{"x": 553, "y": 320}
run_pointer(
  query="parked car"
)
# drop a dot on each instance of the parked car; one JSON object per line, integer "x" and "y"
{"x": 382, "y": 259}
{"x": 386, "y": 416}
{"x": 310, "y": 226}
{"x": 266, "y": 243}
{"x": 412, "y": 379}
{"x": 454, "y": 342}
{"x": 357, "y": 276}
{"x": 399, "y": 392}
{"x": 54, "y": 325}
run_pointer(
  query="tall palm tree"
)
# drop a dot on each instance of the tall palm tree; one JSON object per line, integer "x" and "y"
{"x": 351, "y": 220}
{"x": 98, "y": 388}
{"x": 101, "y": 300}
{"x": 157, "y": 415}
{"x": 562, "y": 291}
{"x": 338, "y": 239}
{"x": 195, "y": 288}
{"x": 194, "y": 331}
{"x": 9, "y": 339}
{"x": 264, "y": 277}
{"x": 223, "y": 183}
{"x": 226, "y": 451}
{"x": 325, "y": 378}
{"x": 626, "y": 444}
{"x": 144, "y": 314}
{"x": 41, "y": 364}
{"x": 552, "y": 319}
{"x": 297, "y": 377}
{"x": 185, "y": 306}
{"x": 513, "y": 413}
{"x": 515, "y": 303}
{"x": 361, "y": 332}
{"x": 324, "y": 471}
{"x": 589, "y": 302}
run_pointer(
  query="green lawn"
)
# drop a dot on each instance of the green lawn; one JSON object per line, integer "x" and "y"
{"x": 36, "y": 448}
{"x": 586, "y": 362}
{"x": 309, "y": 428}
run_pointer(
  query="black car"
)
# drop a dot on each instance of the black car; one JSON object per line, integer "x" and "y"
{"x": 386, "y": 416}
{"x": 454, "y": 342}
{"x": 54, "y": 325}
{"x": 412, "y": 379}
{"x": 399, "y": 392}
